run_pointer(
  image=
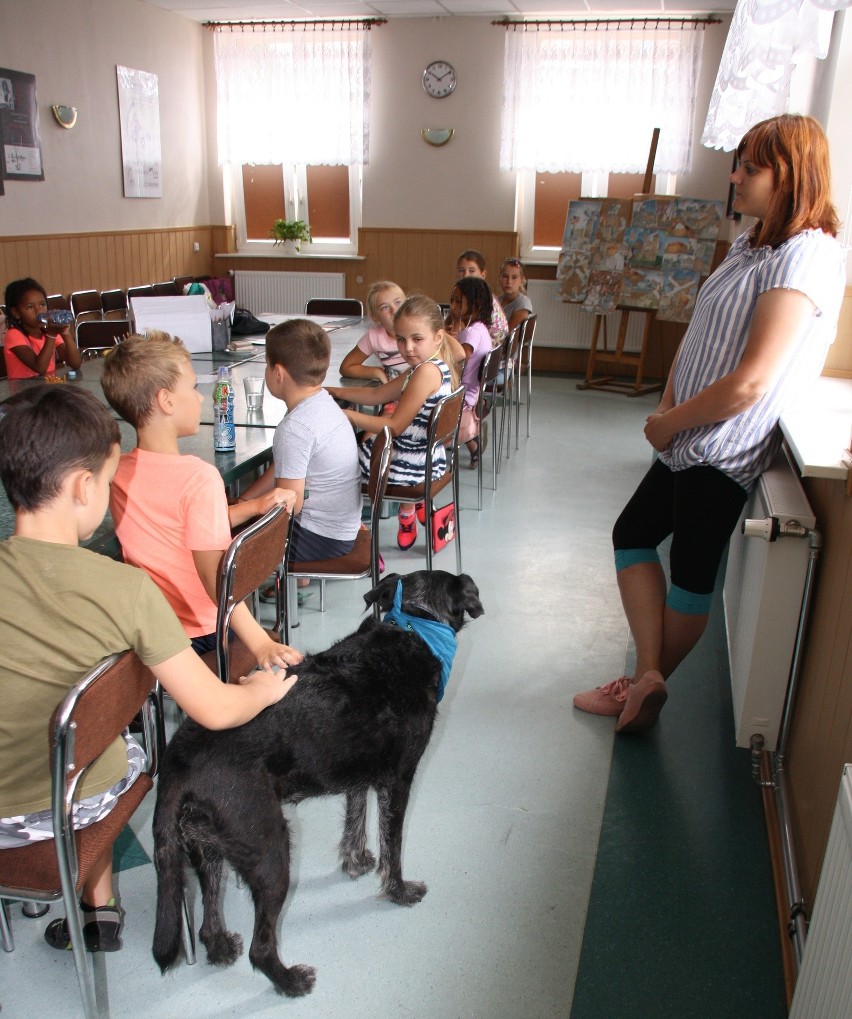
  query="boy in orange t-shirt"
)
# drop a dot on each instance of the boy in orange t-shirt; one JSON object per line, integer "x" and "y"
{"x": 170, "y": 511}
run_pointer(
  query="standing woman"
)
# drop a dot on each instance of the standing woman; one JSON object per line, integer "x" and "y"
{"x": 758, "y": 338}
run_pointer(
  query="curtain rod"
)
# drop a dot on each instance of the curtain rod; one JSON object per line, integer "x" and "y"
{"x": 582, "y": 24}
{"x": 330, "y": 24}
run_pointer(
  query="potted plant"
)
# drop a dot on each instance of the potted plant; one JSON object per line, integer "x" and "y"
{"x": 291, "y": 233}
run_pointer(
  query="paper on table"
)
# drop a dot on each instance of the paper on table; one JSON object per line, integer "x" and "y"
{"x": 187, "y": 317}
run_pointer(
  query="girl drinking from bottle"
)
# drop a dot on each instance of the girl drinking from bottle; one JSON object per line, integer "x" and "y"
{"x": 31, "y": 345}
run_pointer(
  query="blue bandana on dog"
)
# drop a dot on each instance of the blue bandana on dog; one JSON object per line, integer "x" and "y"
{"x": 439, "y": 637}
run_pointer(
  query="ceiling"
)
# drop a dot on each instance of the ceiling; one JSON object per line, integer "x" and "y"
{"x": 253, "y": 10}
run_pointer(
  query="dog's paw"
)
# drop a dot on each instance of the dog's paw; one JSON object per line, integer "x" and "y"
{"x": 358, "y": 864}
{"x": 296, "y": 981}
{"x": 223, "y": 948}
{"x": 405, "y": 893}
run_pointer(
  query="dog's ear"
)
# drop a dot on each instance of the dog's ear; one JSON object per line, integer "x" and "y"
{"x": 383, "y": 593}
{"x": 469, "y": 597}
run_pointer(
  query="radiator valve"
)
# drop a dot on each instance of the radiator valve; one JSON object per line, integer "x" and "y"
{"x": 771, "y": 528}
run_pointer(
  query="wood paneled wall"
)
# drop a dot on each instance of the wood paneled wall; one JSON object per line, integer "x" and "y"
{"x": 63, "y": 263}
{"x": 821, "y": 736}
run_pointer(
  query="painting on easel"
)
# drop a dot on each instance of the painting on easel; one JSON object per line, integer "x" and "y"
{"x": 659, "y": 246}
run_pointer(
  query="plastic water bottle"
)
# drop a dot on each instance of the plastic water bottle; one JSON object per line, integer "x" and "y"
{"x": 224, "y": 434}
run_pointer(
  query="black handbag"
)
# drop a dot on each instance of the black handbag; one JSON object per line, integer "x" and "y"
{"x": 246, "y": 324}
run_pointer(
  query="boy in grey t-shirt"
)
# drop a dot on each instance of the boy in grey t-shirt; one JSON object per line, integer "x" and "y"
{"x": 315, "y": 452}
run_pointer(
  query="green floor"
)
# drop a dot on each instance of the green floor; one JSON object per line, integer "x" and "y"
{"x": 681, "y": 921}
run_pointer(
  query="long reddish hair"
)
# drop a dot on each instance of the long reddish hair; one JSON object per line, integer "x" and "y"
{"x": 795, "y": 148}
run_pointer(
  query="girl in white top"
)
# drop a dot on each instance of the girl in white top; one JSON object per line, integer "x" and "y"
{"x": 383, "y": 299}
{"x": 514, "y": 301}
{"x": 758, "y": 337}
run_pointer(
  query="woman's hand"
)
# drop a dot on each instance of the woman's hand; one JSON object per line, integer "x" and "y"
{"x": 658, "y": 431}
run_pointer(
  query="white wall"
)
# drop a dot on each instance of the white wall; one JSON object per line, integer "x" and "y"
{"x": 72, "y": 47}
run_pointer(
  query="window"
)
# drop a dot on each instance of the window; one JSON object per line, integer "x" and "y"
{"x": 308, "y": 81}
{"x": 579, "y": 108}
{"x": 328, "y": 198}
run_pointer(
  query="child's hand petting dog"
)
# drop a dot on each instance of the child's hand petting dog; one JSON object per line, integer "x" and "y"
{"x": 273, "y": 655}
{"x": 271, "y": 685}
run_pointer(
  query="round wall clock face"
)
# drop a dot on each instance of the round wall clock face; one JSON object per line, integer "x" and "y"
{"x": 439, "y": 79}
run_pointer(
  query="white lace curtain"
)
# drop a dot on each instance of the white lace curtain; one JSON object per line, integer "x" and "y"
{"x": 589, "y": 100}
{"x": 293, "y": 97}
{"x": 765, "y": 41}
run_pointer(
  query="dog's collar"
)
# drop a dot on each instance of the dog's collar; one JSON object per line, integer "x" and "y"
{"x": 440, "y": 637}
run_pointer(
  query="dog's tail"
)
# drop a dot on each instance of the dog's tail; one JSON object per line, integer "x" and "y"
{"x": 168, "y": 861}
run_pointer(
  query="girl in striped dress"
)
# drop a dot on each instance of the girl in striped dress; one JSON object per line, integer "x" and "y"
{"x": 431, "y": 354}
{"x": 758, "y": 338}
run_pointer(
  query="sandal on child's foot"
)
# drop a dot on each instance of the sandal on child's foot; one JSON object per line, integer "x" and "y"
{"x": 407, "y": 533}
{"x": 101, "y": 929}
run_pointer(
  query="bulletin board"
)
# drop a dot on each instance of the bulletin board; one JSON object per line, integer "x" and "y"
{"x": 20, "y": 140}
{"x": 650, "y": 253}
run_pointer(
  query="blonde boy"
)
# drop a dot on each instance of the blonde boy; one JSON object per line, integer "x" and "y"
{"x": 171, "y": 511}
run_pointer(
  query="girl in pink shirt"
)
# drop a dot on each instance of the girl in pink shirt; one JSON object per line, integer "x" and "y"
{"x": 28, "y": 348}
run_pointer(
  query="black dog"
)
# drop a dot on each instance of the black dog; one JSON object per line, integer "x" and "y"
{"x": 360, "y": 716}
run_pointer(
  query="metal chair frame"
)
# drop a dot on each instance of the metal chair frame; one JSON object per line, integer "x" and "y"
{"x": 94, "y": 337}
{"x": 486, "y": 403}
{"x": 506, "y": 389}
{"x": 114, "y": 303}
{"x": 256, "y": 553}
{"x": 91, "y": 715}
{"x": 363, "y": 560}
{"x": 525, "y": 366}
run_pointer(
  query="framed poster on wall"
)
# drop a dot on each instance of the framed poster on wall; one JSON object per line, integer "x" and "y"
{"x": 19, "y": 129}
{"x": 139, "y": 116}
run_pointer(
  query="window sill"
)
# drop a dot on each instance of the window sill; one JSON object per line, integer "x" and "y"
{"x": 324, "y": 256}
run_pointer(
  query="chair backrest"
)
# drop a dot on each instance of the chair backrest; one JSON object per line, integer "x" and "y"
{"x": 58, "y": 302}
{"x": 181, "y": 281}
{"x": 86, "y": 302}
{"x": 489, "y": 374}
{"x": 92, "y": 715}
{"x": 144, "y": 291}
{"x": 528, "y": 337}
{"x": 167, "y": 289}
{"x": 334, "y": 306}
{"x": 114, "y": 302}
{"x": 98, "y": 335}
{"x": 513, "y": 342}
{"x": 444, "y": 429}
{"x": 256, "y": 553}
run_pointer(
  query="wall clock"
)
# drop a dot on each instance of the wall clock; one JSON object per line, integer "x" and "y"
{"x": 439, "y": 79}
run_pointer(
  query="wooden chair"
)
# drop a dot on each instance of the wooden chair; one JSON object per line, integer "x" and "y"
{"x": 525, "y": 366}
{"x": 91, "y": 716}
{"x": 256, "y": 553}
{"x": 167, "y": 289}
{"x": 443, "y": 431}
{"x": 363, "y": 560}
{"x": 334, "y": 306}
{"x": 86, "y": 304}
{"x": 114, "y": 303}
{"x": 489, "y": 374}
{"x": 94, "y": 337}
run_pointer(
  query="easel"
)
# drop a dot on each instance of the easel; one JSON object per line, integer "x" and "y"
{"x": 611, "y": 383}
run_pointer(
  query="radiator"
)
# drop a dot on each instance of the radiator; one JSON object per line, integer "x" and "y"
{"x": 567, "y": 325}
{"x": 764, "y": 582}
{"x": 284, "y": 293}
{"x": 824, "y": 987}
